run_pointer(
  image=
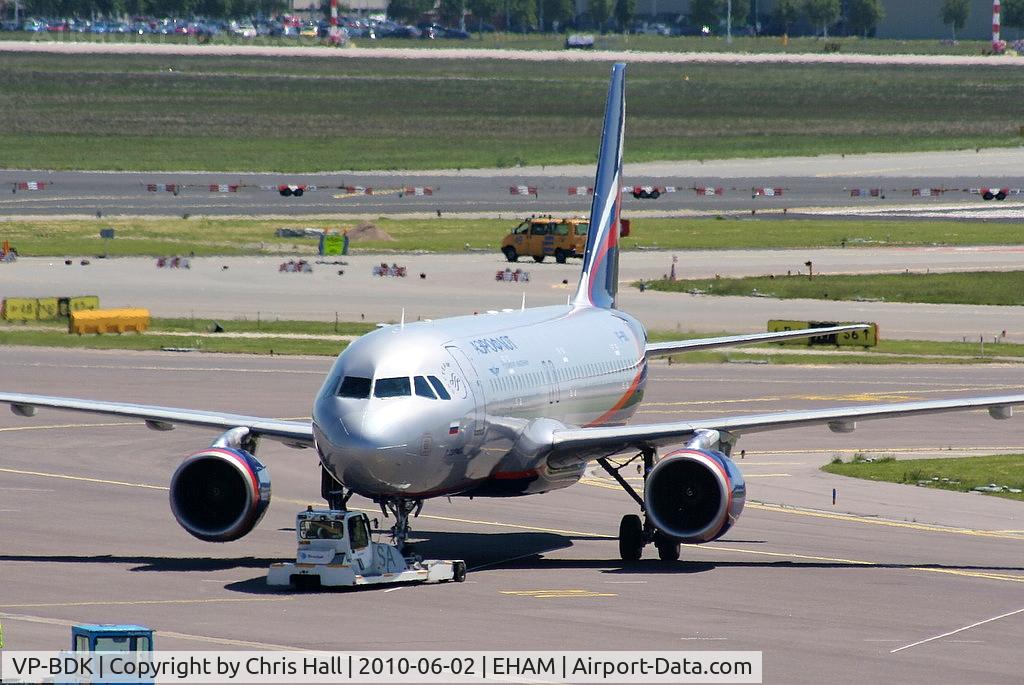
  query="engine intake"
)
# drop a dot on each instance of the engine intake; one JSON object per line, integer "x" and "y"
{"x": 694, "y": 496}
{"x": 220, "y": 493}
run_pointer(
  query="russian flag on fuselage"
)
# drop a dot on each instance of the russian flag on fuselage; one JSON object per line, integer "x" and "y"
{"x": 599, "y": 280}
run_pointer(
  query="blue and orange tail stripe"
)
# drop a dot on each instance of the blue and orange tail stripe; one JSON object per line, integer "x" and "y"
{"x": 599, "y": 281}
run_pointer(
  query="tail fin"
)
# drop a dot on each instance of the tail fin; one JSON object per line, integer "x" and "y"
{"x": 599, "y": 280}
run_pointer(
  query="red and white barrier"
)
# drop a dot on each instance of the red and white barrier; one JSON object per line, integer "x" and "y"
{"x": 927, "y": 192}
{"x": 523, "y": 190}
{"x": 31, "y": 185}
{"x": 164, "y": 188}
{"x": 223, "y": 187}
{"x": 768, "y": 192}
{"x": 417, "y": 190}
{"x": 865, "y": 192}
{"x": 581, "y": 190}
{"x": 994, "y": 193}
{"x": 357, "y": 190}
{"x": 708, "y": 191}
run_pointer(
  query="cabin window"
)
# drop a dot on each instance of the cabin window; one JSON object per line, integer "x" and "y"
{"x": 392, "y": 387}
{"x": 355, "y": 387}
{"x": 423, "y": 388}
{"x": 442, "y": 392}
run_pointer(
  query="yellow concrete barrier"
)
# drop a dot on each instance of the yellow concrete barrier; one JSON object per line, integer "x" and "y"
{"x": 109, "y": 321}
{"x": 77, "y": 304}
{"x": 47, "y": 308}
{"x": 20, "y": 309}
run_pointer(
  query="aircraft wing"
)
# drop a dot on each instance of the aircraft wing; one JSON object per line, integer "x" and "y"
{"x": 291, "y": 433}
{"x": 663, "y": 349}
{"x": 573, "y": 445}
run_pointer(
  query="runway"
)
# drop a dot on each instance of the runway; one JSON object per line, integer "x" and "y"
{"x": 812, "y": 186}
{"x": 893, "y": 583}
{"x": 253, "y": 288}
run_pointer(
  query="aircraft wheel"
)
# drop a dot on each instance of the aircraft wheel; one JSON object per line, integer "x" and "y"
{"x": 459, "y": 571}
{"x": 538, "y": 258}
{"x": 631, "y": 538}
{"x": 668, "y": 550}
{"x": 511, "y": 254}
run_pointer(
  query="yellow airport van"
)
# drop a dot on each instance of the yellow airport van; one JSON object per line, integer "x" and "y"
{"x": 543, "y": 236}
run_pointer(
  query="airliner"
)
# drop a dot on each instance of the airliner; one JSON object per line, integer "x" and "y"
{"x": 501, "y": 405}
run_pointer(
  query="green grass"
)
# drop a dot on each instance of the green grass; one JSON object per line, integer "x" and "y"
{"x": 155, "y": 237}
{"x": 55, "y": 335}
{"x": 305, "y": 114}
{"x": 968, "y": 287}
{"x": 133, "y": 341}
{"x": 1006, "y": 470}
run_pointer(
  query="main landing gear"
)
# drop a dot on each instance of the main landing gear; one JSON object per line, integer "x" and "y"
{"x": 635, "y": 533}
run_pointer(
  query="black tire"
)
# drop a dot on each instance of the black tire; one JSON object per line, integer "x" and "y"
{"x": 560, "y": 256}
{"x": 510, "y": 253}
{"x": 655, "y": 194}
{"x": 668, "y": 550}
{"x": 631, "y": 538}
{"x": 285, "y": 192}
{"x": 987, "y": 195}
{"x": 538, "y": 258}
{"x": 637, "y": 196}
{"x": 1000, "y": 196}
{"x": 298, "y": 192}
{"x": 459, "y": 571}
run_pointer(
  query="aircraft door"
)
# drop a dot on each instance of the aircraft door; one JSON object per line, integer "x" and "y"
{"x": 468, "y": 386}
{"x": 554, "y": 392}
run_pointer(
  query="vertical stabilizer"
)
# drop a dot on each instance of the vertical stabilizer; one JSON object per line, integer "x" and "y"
{"x": 599, "y": 280}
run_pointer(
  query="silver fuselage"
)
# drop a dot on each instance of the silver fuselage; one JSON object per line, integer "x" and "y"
{"x": 512, "y": 377}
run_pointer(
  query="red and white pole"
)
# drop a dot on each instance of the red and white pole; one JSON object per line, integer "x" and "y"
{"x": 995, "y": 21}
{"x": 334, "y": 34}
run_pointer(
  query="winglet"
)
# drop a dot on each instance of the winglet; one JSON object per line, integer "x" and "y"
{"x": 599, "y": 280}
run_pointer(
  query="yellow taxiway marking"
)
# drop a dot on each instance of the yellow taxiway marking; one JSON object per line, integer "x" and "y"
{"x": 557, "y": 594}
{"x": 64, "y": 476}
{"x": 160, "y": 633}
{"x": 851, "y": 518}
{"x": 68, "y": 425}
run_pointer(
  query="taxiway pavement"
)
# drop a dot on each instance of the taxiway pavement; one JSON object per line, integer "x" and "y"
{"x": 466, "y": 283}
{"x": 892, "y": 583}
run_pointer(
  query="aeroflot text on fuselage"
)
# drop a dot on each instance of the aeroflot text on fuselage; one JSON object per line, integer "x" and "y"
{"x": 500, "y": 344}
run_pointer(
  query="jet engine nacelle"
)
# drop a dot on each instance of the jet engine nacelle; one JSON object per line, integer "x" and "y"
{"x": 694, "y": 496}
{"x": 220, "y": 493}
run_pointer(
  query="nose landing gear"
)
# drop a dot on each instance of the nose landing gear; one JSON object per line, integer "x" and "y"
{"x": 400, "y": 509}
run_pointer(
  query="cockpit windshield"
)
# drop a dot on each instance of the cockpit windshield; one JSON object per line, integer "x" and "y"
{"x": 392, "y": 387}
{"x": 355, "y": 387}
